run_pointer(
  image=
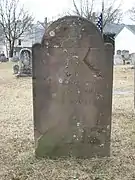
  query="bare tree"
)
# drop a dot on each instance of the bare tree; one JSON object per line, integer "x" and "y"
{"x": 86, "y": 9}
{"x": 14, "y": 21}
{"x": 132, "y": 13}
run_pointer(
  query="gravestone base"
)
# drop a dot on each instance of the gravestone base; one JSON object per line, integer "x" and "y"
{"x": 76, "y": 150}
{"x": 81, "y": 154}
{"x": 23, "y": 75}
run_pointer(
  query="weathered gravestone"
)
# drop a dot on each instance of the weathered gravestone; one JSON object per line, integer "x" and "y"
{"x": 72, "y": 90}
{"x": 118, "y": 60}
{"x": 132, "y": 58}
{"x": 25, "y": 63}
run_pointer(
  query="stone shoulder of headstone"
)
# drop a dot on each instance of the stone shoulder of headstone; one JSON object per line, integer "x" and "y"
{"x": 72, "y": 90}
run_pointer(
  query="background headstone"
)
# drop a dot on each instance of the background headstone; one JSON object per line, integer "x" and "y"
{"x": 25, "y": 63}
{"x": 118, "y": 52}
{"x": 118, "y": 60}
{"x": 132, "y": 58}
{"x": 125, "y": 54}
{"x": 110, "y": 38}
{"x": 72, "y": 90}
{"x": 14, "y": 59}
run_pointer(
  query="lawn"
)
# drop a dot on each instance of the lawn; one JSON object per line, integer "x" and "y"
{"x": 17, "y": 161}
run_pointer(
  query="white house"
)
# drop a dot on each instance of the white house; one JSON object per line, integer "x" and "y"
{"x": 125, "y": 39}
{"x": 3, "y": 48}
{"x": 2, "y": 43}
{"x": 124, "y": 36}
{"x": 25, "y": 41}
{"x": 29, "y": 38}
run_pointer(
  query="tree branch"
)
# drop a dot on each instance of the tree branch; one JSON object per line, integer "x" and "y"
{"x": 112, "y": 14}
{"x": 14, "y": 20}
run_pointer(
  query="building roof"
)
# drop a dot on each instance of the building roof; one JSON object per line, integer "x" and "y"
{"x": 116, "y": 28}
{"x": 132, "y": 28}
{"x": 113, "y": 28}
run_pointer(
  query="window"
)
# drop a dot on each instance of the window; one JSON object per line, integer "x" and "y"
{"x": 19, "y": 42}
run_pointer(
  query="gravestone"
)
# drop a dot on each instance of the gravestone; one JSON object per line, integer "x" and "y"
{"x": 110, "y": 38}
{"x": 132, "y": 58}
{"x": 72, "y": 90}
{"x": 125, "y": 54}
{"x": 24, "y": 67}
{"x": 118, "y": 60}
{"x": 118, "y": 52}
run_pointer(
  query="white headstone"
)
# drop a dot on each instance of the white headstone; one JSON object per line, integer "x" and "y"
{"x": 118, "y": 60}
{"x": 133, "y": 58}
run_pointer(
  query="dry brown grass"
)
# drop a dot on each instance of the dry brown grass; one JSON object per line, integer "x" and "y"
{"x": 17, "y": 161}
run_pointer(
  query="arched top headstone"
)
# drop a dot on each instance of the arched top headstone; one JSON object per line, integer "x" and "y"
{"x": 119, "y": 52}
{"x": 72, "y": 89}
{"x": 75, "y": 35}
{"x": 74, "y": 27}
{"x": 22, "y": 51}
{"x": 25, "y": 56}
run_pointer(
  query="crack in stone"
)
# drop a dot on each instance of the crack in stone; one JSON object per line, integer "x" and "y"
{"x": 91, "y": 67}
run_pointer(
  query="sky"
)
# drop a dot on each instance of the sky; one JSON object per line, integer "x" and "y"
{"x": 56, "y": 8}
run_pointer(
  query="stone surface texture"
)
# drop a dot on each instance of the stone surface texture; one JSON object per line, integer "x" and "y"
{"x": 72, "y": 90}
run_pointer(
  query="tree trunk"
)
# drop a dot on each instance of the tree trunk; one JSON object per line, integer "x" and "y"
{"x": 11, "y": 49}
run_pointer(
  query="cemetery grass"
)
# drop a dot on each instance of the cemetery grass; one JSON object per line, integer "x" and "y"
{"x": 17, "y": 161}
